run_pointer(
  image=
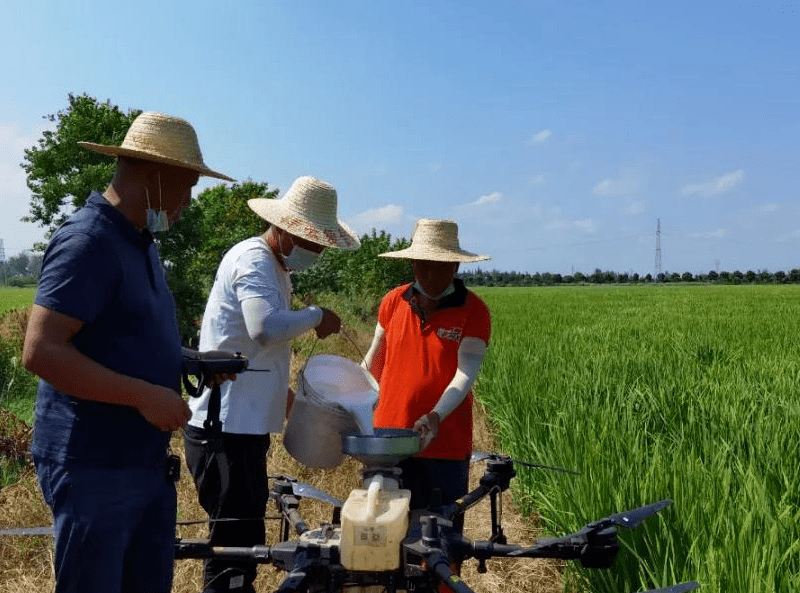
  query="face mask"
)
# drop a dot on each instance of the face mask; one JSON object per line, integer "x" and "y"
{"x": 447, "y": 291}
{"x": 157, "y": 220}
{"x": 300, "y": 259}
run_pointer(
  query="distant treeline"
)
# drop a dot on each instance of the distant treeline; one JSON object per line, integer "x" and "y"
{"x": 479, "y": 277}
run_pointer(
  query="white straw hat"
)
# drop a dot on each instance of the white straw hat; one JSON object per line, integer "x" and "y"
{"x": 307, "y": 210}
{"x": 163, "y": 139}
{"x": 436, "y": 240}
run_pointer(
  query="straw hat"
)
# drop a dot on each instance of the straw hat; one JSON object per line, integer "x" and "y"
{"x": 307, "y": 210}
{"x": 436, "y": 240}
{"x": 163, "y": 139}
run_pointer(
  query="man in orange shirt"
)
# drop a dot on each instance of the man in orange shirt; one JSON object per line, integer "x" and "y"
{"x": 428, "y": 346}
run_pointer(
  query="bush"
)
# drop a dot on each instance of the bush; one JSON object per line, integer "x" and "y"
{"x": 360, "y": 275}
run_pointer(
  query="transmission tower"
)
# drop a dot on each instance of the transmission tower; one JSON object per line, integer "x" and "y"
{"x": 658, "y": 250}
{"x": 3, "y": 261}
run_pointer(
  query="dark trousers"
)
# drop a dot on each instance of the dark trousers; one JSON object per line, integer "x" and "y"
{"x": 423, "y": 476}
{"x": 230, "y": 473}
{"x": 114, "y": 528}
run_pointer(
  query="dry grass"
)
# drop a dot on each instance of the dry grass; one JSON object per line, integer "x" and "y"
{"x": 26, "y": 562}
{"x": 13, "y": 323}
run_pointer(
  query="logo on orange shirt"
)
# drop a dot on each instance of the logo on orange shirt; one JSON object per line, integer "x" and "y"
{"x": 454, "y": 333}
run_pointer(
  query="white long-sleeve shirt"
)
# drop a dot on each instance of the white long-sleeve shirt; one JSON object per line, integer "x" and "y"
{"x": 249, "y": 311}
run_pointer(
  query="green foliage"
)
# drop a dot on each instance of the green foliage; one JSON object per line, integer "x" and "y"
{"x": 17, "y": 397}
{"x": 60, "y": 173}
{"x": 682, "y": 392}
{"x": 360, "y": 275}
{"x": 193, "y": 247}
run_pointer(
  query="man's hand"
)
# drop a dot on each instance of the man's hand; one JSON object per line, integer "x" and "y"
{"x": 428, "y": 428}
{"x": 330, "y": 324}
{"x": 221, "y": 378}
{"x": 164, "y": 409}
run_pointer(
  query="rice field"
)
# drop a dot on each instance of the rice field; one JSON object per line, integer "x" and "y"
{"x": 690, "y": 393}
{"x": 14, "y": 298}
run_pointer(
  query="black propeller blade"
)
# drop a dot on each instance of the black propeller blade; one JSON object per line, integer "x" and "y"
{"x": 307, "y": 491}
{"x": 630, "y": 518}
{"x": 303, "y": 490}
{"x": 679, "y": 588}
{"x": 481, "y": 455}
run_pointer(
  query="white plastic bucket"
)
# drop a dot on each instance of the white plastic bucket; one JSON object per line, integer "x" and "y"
{"x": 331, "y": 390}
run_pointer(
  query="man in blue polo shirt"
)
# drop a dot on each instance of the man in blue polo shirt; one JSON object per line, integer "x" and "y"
{"x": 103, "y": 338}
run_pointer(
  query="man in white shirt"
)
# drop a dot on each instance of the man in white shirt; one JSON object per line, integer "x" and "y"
{"x": 249, "y": 311}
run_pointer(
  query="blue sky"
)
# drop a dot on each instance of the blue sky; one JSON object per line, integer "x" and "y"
{"x": 555, "y": 133}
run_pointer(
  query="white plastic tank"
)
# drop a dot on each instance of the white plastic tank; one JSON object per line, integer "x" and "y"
{"x": 374, "y": 524}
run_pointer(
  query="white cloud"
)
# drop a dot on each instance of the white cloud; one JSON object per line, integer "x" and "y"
{"x": 625, "y": 185}
{"x": 538, "y": 179}
{"x": 767, "y": 208}
{"x": 715, "y": 186}
{"x": 15, "y": 194}
{"x": 634, "y": 208}
{"x": 586, "y": 225}
{"x": 717, "y": 234}
{"x": 541, "y": 136}
{"x": 487, "y": 199}
{"x": 377, "y": 218}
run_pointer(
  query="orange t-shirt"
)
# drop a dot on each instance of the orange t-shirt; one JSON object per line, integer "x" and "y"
{"x": 421, "y": 360}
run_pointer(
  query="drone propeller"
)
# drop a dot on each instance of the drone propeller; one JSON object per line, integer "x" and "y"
{"x": 679, "y": 588}
{"x": 631, "y": 518}
{"x": 303, "y": 490}
{"x": 482, "y": 455}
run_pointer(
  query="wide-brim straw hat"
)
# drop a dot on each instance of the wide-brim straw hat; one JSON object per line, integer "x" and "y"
{"x": 163, "y": 139}
{"x": 307, "y": 210}
{"x": 436, "y": 240}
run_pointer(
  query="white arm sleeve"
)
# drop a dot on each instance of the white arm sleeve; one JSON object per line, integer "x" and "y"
{"x": 269, "y": 326}
{"x": 470, "y": 356}
{"x": 374, "y": 348}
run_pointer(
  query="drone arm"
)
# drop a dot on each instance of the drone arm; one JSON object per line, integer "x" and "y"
{"x": 297, "y": 521}
{"x": 203, "y": 549}
{"x": 440, "y": 565}
{"x": 288, "y": 505}
{"x": 563, "y": 548}
{"x": 460, "y": 506}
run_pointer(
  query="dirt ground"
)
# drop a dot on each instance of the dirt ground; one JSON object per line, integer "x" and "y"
{"x": 26, "y": 563}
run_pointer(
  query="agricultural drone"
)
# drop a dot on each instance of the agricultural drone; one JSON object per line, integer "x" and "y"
{"x": 375, "y": 543}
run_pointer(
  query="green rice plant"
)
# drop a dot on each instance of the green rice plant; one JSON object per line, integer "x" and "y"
{"x": 684, "y": 392}
{"x": 14, "y": 298}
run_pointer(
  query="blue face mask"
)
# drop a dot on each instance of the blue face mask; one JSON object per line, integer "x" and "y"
{"x": 447, "y": 291}
{"x": 157, "y": 220}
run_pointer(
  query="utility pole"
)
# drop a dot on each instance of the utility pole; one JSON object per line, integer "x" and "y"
{"x": 658, "y": 250}
{"x": 3, "y": 260}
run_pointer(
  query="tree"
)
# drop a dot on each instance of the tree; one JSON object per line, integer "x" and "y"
{"x": 60, "y": 173}
{"x": 193, "y": 248}
{"x": 360, "y": 274}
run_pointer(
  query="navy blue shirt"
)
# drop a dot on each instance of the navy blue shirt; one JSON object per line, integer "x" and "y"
{"x": 100, "y": 269}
